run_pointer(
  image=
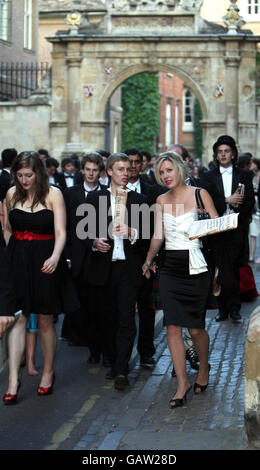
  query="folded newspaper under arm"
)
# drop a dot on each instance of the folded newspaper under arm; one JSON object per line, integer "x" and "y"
{"x": 201, "y": 228}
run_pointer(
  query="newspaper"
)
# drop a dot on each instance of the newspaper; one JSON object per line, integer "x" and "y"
{"x": 201, "y": 228}
{"x": 120, "y": 205}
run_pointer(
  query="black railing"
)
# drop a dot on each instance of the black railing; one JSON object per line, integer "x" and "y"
{"x": 19, "y": 80}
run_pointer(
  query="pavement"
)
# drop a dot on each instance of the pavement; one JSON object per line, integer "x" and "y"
{"x": 140, "y": 418}
{"x": 85, "y": 413}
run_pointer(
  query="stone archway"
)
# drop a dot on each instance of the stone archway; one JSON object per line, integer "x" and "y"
{"x": 91, "y": 61}
{"x": 135, "y": 69}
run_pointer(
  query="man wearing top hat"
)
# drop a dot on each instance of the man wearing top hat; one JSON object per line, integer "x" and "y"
{"x": 230, "y": 248}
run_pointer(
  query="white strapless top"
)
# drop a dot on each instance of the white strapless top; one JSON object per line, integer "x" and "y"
{"x": 176, "y": 231}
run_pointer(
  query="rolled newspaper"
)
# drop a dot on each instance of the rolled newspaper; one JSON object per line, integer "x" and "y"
{"x": 202, "y": 228}
{"x": 120, "y": 206}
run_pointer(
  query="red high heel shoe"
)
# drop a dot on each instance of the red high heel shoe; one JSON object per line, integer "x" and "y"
{"x": 9, "y": 398}
{"x": 46, "y": 390}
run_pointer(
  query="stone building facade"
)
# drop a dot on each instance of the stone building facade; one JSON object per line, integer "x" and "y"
{"x": 101, "y": 47}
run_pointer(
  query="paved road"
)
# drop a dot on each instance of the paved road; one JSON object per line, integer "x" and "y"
{"x": 85, "y": 412}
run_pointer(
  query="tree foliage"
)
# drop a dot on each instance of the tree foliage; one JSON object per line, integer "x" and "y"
{"x": 141, "y": 112}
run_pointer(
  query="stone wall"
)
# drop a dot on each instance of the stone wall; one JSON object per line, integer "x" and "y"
{"x": 25, "y": 125}
{"x": 252, "y": 380}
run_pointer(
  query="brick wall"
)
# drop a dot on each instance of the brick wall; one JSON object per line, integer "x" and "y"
{"x": 13, "y": 50}
{"x": 170, "y": 89}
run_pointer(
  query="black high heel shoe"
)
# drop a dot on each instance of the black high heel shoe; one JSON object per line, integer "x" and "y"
{"x": 176, "y": 402}
{"x": 201, "y": 388}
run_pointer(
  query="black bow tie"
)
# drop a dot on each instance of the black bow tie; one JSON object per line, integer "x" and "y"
{"x": 68, "y": 176}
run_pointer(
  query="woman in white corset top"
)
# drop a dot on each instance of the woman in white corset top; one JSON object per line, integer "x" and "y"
{"x": 184, "y": 279}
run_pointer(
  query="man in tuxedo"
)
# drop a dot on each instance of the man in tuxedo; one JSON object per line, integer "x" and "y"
{"x": 115, "y": 270}
{"x": 8, "y": 156}
{"x": 147, "y": 174}
{"x": 76, "y": 327}
{"x": 55, "y": 177}
{"x": 67, "y": 174}
{"x": 145, "y": 311}
{"x": 231, "y": 248}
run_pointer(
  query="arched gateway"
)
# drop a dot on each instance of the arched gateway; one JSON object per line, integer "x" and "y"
{"x": 126, "y": 37}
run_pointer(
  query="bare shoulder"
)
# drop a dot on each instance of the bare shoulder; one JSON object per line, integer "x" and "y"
{"x": 55, "y": 196}
{"x": 10, "y": 192}
{"x": 162, "y": 198}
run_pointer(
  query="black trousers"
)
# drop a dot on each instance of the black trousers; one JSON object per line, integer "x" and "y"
{"x": 146, "y": 316}
{"x": 76, "y": 325}
{"x": 119, "y": 296}
{"x": 235, "y": 254}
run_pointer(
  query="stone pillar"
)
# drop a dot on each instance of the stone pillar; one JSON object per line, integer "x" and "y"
{"x": 252, "y": 380}
{"x": 232, "y": 60}
{"x": 73, "y": 143}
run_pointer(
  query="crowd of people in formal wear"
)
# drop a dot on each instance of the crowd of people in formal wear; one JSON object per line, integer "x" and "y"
{"x": 101, "y": 272}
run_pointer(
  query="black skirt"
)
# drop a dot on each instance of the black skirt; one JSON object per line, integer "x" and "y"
{"x": 183, "y": 295}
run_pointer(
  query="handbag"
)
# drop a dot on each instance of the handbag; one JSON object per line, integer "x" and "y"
{"x": 202, "y": 213}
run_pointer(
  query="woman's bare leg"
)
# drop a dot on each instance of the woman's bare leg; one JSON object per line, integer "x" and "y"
{"x": 48, "y": 341}
{"x": 177, "y": 350}
{"x": 16, "y": 345}
{"x": 200, "y": 339}
{"x": 31, "y": 340}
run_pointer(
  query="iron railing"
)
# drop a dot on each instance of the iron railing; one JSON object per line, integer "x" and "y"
{"x": 19, "y": 80}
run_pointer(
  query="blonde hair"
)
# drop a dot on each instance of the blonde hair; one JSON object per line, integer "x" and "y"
{"x": 178, "y": 163}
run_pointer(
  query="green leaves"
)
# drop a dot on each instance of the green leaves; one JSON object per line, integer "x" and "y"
{"x": 141, "y": 112}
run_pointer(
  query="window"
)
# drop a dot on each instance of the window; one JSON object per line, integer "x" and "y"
{"x": 28, "y": 24}
{"x": 168, "y": 125}
{"x": 5, "y": 19}
{"x": 187, "y": 110}
{"x": 252, "y": 7}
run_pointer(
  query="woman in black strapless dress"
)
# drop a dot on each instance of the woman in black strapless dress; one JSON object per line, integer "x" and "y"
{"x": 36, "y": 234}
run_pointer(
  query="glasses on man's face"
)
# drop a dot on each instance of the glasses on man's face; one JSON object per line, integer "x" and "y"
{"x": 136, "y": 162}
{"x": 91, "y": 170}
{"x": 224, "y": 152}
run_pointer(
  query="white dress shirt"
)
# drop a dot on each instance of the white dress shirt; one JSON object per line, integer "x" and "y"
{"x": 136, "y": 186}
{"x": 227, "y": 174}
{"x": 69, "y": 180}
{"x": 89, "y": 190}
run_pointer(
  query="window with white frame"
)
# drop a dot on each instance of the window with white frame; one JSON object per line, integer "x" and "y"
{"x": 250, "y": 9}
{"x": 28, "y": 24}
{"x": 168, "y": 125}
{"x": 253, "y": 7}
{"x": 187, "y": 110}
{"x": 5, "y": 19}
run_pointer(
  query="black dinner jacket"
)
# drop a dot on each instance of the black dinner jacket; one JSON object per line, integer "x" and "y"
{"x": 62, "y": 180}
{"x": 100, "y": 265}
{"x": 212, "y": 182}
{"x": 75, "y": 249}
{"x": 5, "y": 181}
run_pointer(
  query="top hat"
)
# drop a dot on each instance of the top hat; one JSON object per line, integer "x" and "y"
{"x": 226, "y": 140}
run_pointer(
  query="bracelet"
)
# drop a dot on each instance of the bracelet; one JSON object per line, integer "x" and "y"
{"x": 147, "y": 264}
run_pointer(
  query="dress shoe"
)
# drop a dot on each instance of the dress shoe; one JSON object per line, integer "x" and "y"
{"x": 121, "y": 381}
{"x": 147, "y": 361}
{"x": 94, "y": 359}
{"x": 235, "y": 317}
{"x": 177, "y": 402}
{"x": 11, "y": 399}
{"x": 221, "y": 316}
{"x": 200, "y": 388}
{"x": 46, "y": 390}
